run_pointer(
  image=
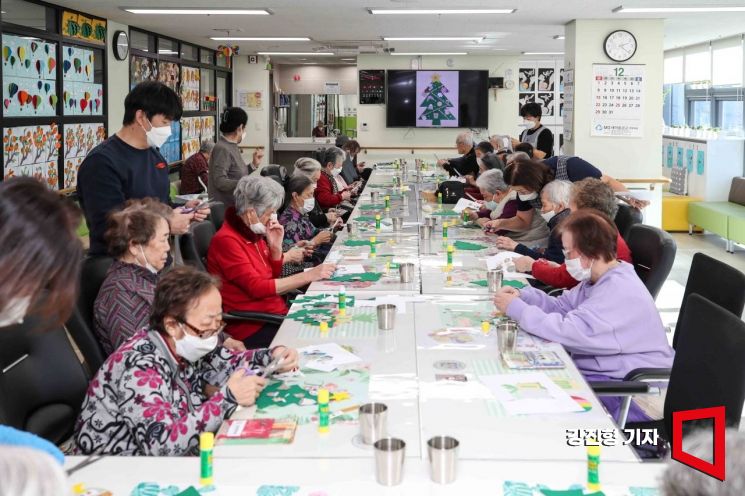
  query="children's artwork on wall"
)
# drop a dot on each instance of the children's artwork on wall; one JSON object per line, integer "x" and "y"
{"x": 527, "y": 79}
{"x": 208, "y": 128}
{"x": 525, "y": 98}
{"x": 545, "y": 79}
{"x": 83, "y": 27}
{"x": 561, "y": 80}
{"x": 142, "y": 69}
{"x": 169, "y": 74}
{"x": 190, "y": 88}
{"x": 171, "y": 149}
{"x": 82, "y": 99}
{"x": 29, "y": 74}
{"x": 79, "y": 140}
{"x": 190, "y": 131}
{"x": 547, "y": 103}
{"x": 77, "y": 64}
{"x": 32, "y": 151}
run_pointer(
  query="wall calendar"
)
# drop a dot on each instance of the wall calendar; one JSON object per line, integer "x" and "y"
{"x": 618, "y": 100}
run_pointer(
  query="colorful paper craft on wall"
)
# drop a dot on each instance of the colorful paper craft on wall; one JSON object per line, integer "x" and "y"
{"x": 142, "y": 69}
{"x": 83, "y": 27}
{"x": 546, "y": 79}
{"x": 190, "y": 88}
{"x": 171, "y": 149}
{"x": 79, "y": 140}
{"x": 190, "y": 132}
{"x": 169, "y": 74}
{"x": 81, "y": 96}
{"x": 208, "y": 128}
{"x": 527, "y": 78}
{"x": 32, "y": 151}
{"x": 29, "y": 73}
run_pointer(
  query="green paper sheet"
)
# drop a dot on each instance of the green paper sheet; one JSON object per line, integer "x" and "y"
{"x": 514, "y": 284}
{"x": 481, "y": 282}
{"x": 446, "y": 213}
{"x": 365, "y": 218}
{"x": 464, "y": 245}
{"x": 373, "y": 206}
{"x": 362, "y": 277}
{"x": 360, "y": 242}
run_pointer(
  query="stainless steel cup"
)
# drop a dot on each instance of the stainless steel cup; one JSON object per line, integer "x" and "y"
{"x": 386, "y": 316}
{"x": 373, "y": 422}
{"x": 374, "y": 196}
{"x": 494, "y": 279}
{"x": 352, "y": 227}
{"x": 425, "y": 247}
{"x": 406, "y": 270}
{"x": 389, "y": 460}
{"x": 431, "y": 222}
{"x": 398, "y": 223}
{"x": 425, "y": 231}
{"x": 443, "y": 459}
{"x": 507, "y": 336}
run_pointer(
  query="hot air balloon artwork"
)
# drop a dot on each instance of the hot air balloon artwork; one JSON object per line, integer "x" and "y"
{"x": 29, "y": 73}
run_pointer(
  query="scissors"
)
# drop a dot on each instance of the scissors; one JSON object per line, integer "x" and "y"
{"x": 272, "y": 368}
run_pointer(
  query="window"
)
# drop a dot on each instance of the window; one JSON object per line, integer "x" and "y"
{"x": 698, "y": 64}
{"x": 700, "y": 115}
{"x": 189, "y": 52}
{"x": 29, "y": 14}
{"x": 207, "y": 56}
{"x": 673, "y": 69}
{"x": 222, "y": 60}
{"x": 167, "y": 47}
{"x": 674, "y": 105}
{"x": 730, "y": 114}
{"x": 727, "y": 64}
{"x": 141, "y": 41}
{"x": 208, "y": 90}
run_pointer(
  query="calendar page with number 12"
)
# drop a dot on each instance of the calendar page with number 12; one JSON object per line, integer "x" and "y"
{"x": 618, "y": 100}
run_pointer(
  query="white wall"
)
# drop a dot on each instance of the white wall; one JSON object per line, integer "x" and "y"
{"x": 254, "y": 77}
{"x": 118, "y": 79}
{"x": 314, "y": 77}
{"x": 502, "y": 112}
{"x": 617, "y": 157}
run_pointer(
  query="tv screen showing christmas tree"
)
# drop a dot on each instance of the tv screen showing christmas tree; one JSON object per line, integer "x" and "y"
{"x": 437, "y": 99}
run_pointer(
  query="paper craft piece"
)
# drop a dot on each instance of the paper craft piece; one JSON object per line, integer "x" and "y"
{"x": 500, "y": 258}
{"x": 464, "y": 203}
{"x": 29, "y": 77}
{"x": 458, "y": 338}
{"x": 79, "y": 140}
{"x": 32, "y": 151}
{"x": 190, "y": 87}
{"x": 533, "y": 360}
{"x": 208, "y": 128}
{"x": 373, "y": 206}
{"x": 169, "y": 74}
{"x": 82, "y": 98}
{"x": 297, "y": 395}
{"x": 154, "y": 489}
{"x": 78, "y": 64}
{"x": 80, "y": 26}
{"x": 142, "y": 69}
{"x": 465, "y": 245}
{"x": 190, "y": 136}
{"x": 445, "y": 213}
{"x": 360, "y": 242}
{"x": 517, "y": 488}
{"x": 481, "y": 282}
{"x": 289, "y": 491}
{"x": 363, "y": 277}
{"x": 349, "y": 269}
{"x": 364, "y": 218}
{"x": 529, "y": 394}
{"x": 326, "y": 357}
{"x": 257, "y": 431}
{"x": 513, "y": 283}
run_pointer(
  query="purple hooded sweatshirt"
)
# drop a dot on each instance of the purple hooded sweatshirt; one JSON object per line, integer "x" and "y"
{"x": 610, "y": 327}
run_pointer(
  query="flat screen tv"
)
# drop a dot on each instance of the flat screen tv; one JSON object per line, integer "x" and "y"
{"x": 437, "y": 99}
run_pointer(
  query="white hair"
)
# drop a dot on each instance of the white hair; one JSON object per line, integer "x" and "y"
{"x": 30, "y": 472}
{"x": 558, "y": 192}
{"x": 515, "y": 155}
{"x": 307, "y": 166}
{"x": 682, "y": 480}
{"x": 492, "y": 181}
{"x": 259, "y": 193}
{"x": 464, "y": 138}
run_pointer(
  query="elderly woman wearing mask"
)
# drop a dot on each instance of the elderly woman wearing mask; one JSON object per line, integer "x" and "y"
{"x": 328, "y": 193}
{"x": 311, "y": 168}
{"x": 246, "y": 254}
{"x": 171, "y": 382}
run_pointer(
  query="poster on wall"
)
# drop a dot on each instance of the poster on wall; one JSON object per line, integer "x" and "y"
{"x": 618, "y": 100}
{"x": 32, "y": 151}
{"x": 80, "y": 95}
{"x": 142, "y": 69}
{"x": 250, "y": 99}
{"x": 79, "y": 140}
{"x": 547, "y": 103}
{"x": 190, "y": 132}
{"x": 523, "y": 99}
{"x": 208, "y": 128}
{"x": 527, "y": 78}
{"x": 567, "y": 109}
{"x": 83, "y": 27}
{"x": 190, "y": 88}
{"x": 545, "y": 79}
{"x": 437, "y": 98}
{"x": 169, "y": 74}
{"x": 29, "y": 77}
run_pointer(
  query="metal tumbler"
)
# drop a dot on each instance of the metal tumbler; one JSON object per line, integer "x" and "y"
{"x": 386, "y": 316}
{"x": 373, "y": 422}
{"x": 406, "y": 271}
{"x": 494, "y": 279}
{"x": 389, "y": 460}
{"x": 443, "y": 458}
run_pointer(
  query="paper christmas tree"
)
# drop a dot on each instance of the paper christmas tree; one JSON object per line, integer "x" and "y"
{"x": 436, "y": 105}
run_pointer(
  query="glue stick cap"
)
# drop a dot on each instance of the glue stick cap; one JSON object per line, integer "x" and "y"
{"x": 323, "y": 395}
{"x": 206, "y": 441}
{"x": 342, "y": 290}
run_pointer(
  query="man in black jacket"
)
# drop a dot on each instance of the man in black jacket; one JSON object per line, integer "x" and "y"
{"x": 465, "y": 164}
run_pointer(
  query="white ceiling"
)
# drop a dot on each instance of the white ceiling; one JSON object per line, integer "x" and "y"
{"x": 347, "y": 22}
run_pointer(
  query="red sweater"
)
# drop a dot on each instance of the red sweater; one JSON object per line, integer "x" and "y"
{"x": 242, "y": 261}
{"x": 325, "y": 195}
{"x": 558, "y": 277}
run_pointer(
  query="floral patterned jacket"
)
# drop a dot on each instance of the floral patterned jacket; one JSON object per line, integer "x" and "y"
{"x": 146, "y": 401}
{"x": 298, "y": 227}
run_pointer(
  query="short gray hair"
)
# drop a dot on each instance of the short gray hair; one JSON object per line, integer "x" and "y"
{"x": 492, "y": 181}
{"x": 259, "y": 193}
{"x": 516, "y": 155}
{"x": 558, "y": 192}
{"x": 464, "y": 138}
{"x": 30, "y": 472}
{"x": 207, "y": 146}
{"x": 682, "y": 480}
{"x": 307, "y": 166}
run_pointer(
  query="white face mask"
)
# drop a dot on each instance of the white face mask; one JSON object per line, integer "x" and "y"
{"x": 479, "y": 162}
{"x": 491, "y": 205}
{"x": 157, "y": 135}
{"x": 575, "y": 269}
{"x": 147, "y": 264}
{"x": 243, "y": 136}
{"x": 528, "y": 197}
{"x": 14, "y": 311}
{"x": 309, "y": 204}
{"x": 192, "y": 348}
{"x": 547, "y": 216}
{"x": 528, "y": 124}
{"x": 258, "y": 228}
{"x": 336, "y": 172}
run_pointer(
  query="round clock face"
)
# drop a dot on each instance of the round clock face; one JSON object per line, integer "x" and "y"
{"x": 620, "y": 46}
{"x": 121, "y": 45}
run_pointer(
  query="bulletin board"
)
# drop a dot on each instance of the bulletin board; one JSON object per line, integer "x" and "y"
{"x": 618, "y": 100}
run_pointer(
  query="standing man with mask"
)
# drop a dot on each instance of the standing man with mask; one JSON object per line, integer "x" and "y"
{"x": 128, "y": 164}
{"x": 535, "y": 133}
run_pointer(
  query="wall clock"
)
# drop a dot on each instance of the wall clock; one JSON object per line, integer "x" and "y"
{"x": 620, "y": 46}
{"x": 121, "y": 45}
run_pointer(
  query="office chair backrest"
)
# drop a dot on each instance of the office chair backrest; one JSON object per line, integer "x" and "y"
{"x": 80, "y": 323}
{"x": 276, "y": 172}
{"x": 716, "y": 281}
{"x": 653, "y": 251}
{"x": 708, "y": 369}
{"x": 43, "y": 383}
{"x": 626, "y": 217}
{"x": 217, "y": 214}
{"x": 195, "y": 243}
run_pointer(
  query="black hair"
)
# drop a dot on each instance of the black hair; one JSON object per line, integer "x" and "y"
{"x": 153, "y": 98}
{"x": 525, "y": 147}
{"x": 296, "y": 184}
{"x": 531, "y": 110}
{"x": 485, "y": 147}
{"x": 492, "y": 161}
{"x": 232, "y": 118}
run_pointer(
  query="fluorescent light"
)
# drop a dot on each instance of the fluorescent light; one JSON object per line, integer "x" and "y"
{"x": 543, "y": 53}
{"x": 559, "y": 37}
{"x": 259, "y": 38}
{"x": 672, "y": 10}
{"x": 167, "y": 52}
{"x": 439, "y": 11}
{"x": 298, "y": 54}
{"x": 348, "y": 59}
{"x": 134, "y": 10}
{"x": 435, "y": 38}
{"x": 428, "y": 53}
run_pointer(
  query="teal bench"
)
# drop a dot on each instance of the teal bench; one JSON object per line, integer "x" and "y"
{"x": 724, "y": 218}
